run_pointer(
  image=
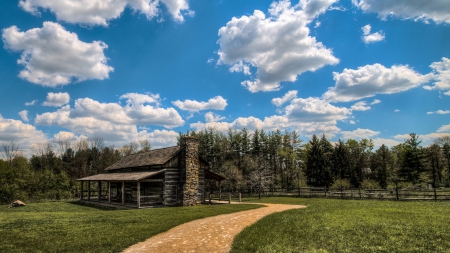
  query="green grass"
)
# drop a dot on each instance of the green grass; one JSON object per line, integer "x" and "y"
{"x": 72, "y": 227}
{"x": 328, "y": 225}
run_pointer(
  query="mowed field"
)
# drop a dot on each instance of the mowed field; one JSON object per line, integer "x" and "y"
{"x": 72, "y": 227}
{"x": 326, "y": 225}
{"x": 330, "y": 225}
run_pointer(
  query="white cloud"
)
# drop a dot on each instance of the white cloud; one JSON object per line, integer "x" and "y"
{"x": 212, "y": 117}
{"x": 215, "y": 103}
{"x": 99, "y": 12}
{"x": 371, "y": 37}
{"x": 315, "y": 110}
{"x": 137, "y": 111}
{"x": 111, "y": 121}
{"x": 369, "y": 80}
{"x": 30, "y": 103}
{"x": 444, "y": 128}
{"x": 360, "y": 106}
{"x": 159, "y": 138}
{"x": 359, "y": 134}
{"x": 23, "y": 134}
{"x": 24, "y": 115}
{"x": 396, "y": 110}
{"x": 241, "y": 67}
{"x": 436, "y": 10}
{"x": 57, "y": 99}
{"x": 278, "y": 45}
{"x": 441, "y": 71}
{"x": 376, "y": 101}
{"x": 53, "y": 56}
{"x": 387, "y": 142}
{"x": 272, "y": 123}
{"x": 439, "y": 112}
{"x": 88, "y": 126}
{"x": 287, "y": 97}
{"x": 307, "y": 116}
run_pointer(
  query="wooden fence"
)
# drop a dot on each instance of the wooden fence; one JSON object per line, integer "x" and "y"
{"x": 321, "y": 192}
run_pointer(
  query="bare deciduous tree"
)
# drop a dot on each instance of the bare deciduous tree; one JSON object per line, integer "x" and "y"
{"x": 10, "y": 150}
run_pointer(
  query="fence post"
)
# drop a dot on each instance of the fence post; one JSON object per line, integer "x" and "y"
{"x": 209, "y": 197}
{"x": 435, "y": 196}
{"x": 396, "y": 191}
{"x": 359, "y": 189}
{"x": 326, "y": 189}
{"x": 229, "y": 198}
{"x": 240, "y": 197}
{"x": 259, "y": 194}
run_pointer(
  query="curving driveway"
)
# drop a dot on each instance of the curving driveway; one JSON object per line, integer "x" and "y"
{"x": 212, "y": 234}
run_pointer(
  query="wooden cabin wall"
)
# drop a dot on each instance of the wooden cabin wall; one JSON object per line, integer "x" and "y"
{"x": 172, "y": 182}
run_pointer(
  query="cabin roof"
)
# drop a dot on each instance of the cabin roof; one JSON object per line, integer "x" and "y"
{"x": 126, "y": 176}
{"x": 149, "y": 158}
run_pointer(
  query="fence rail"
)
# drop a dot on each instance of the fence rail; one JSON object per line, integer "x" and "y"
{"x": 321, "y": 192}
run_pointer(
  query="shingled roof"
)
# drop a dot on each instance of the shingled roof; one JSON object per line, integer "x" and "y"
{"x": 149, "y": 158}
{"x": 130, "y": 176}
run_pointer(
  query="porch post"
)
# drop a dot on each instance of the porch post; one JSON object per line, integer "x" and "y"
{"x": 109, "y": 192}
{"x": 123, "y": 193}
{"x": 139, "y": 194}
{"x": 220, "y": 190}
{"x": 89, "y": 190}
{"x": 81, "y": 194}
{"x": 99, "y": 188}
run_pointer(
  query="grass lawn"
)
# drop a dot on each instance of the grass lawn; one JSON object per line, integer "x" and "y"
{"x": 72, "y": 227}
{"x": 328, "y": 225}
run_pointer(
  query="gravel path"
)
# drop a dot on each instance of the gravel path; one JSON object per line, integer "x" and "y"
{"x": 213, "y": 234}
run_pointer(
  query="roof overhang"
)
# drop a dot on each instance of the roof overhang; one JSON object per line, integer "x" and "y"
{"x": 214, "y": 176}
{"x": 125, "y": 176}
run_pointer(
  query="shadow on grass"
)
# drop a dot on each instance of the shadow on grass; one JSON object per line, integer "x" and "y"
{"x": 94, "y": 206}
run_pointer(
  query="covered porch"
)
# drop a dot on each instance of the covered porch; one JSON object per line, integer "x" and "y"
{"x": 132, "y": 189}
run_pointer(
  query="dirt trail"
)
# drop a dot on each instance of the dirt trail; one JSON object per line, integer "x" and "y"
{"x": 213, "y": 234}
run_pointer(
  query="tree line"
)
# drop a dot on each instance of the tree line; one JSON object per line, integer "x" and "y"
{"x": 267, "y": 160}
{"x": 52, "y": 170}
{"x": 257, "y": 160}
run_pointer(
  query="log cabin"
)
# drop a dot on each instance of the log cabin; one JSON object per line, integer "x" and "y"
{"x": 171, "y": 176}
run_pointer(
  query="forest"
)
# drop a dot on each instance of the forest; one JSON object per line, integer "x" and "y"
{"x": 256, "y": 160}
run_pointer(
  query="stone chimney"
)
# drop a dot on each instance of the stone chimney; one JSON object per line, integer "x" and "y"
{"x": 190, "y": 166}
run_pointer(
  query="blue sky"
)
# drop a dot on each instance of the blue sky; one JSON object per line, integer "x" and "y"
{"x": 145, "y": 69}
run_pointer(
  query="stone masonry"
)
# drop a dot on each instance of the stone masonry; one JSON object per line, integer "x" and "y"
{"x": 190, "y": 171}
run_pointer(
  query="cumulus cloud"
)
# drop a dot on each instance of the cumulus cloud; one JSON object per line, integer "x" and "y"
{"x": 369, "y": 80}
{"x": 270, "y": 124}
{"x": 439, "y": 112}
{"x": 307, "y": 116}
{"x": 360, "y": 106}
{"x": 24, "y": 115}
{"x": 138, "y": 110}
{"x": 88, "y": 126}
{"x": 387, "y": 142}
{"x": 159, "y": 138}
{"x": 99, "y": 12}
{"x": 359, "y": 134}
{"x": 286, "y": 98}
{"x": 278, "y": 45}
{"x": 436, "y": 10}
{"x": 441, "y": 74}
{"x": 212, "y": 117}
{"x": 24, "y": 134}
{"x": 215, "y": 103}
{"x": 52, "y": 56}
{"x": 112, "y": 121}
{"x": 315, "y": 110}
{"x": 31, "y": 103}
{"x": 57, "y": 99}
{"x": 376, "y": 101}
{"x": 371, "y": 37}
